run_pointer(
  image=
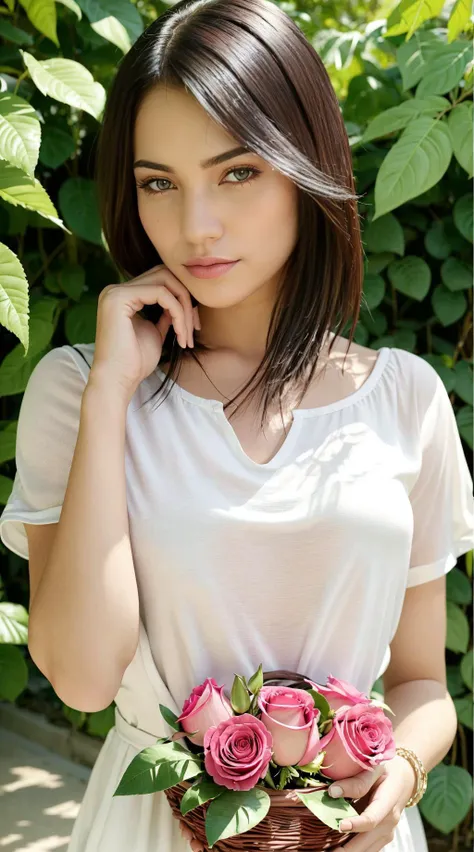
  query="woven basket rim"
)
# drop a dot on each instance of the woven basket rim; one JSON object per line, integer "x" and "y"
{"x": 288, "y": 796}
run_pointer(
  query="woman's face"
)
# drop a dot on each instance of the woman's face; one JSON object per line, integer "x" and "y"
{"x": 240, "y": 209}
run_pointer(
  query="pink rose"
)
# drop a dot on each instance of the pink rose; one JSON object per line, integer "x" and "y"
{"x": 292, "y": 719}
{"x": 361, "y": 738}
{"x": 206, "y": 706}
{"x": 339, "y": 693}
{"x": 237, "y": 752}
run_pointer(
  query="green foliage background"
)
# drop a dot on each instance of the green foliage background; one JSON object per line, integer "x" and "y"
{"x": 403, "y": 74}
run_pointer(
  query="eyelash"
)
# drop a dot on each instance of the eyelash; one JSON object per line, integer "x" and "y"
{"x": 145, "y": 184}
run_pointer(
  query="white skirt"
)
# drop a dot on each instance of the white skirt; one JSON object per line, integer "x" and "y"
{"x": 145, "y": 823}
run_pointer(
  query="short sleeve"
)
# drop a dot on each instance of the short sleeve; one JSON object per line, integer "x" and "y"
{"x": 442, "y": 498}
{"x": 48, "y": 425}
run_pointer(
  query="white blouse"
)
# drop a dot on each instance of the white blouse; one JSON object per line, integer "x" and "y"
{"x": 300, "y": 563}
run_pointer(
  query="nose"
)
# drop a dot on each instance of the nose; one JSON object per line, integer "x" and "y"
{"x": 200, "y": 220}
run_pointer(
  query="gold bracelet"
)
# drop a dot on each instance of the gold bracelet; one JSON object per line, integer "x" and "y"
{"x": 420, "y": 772}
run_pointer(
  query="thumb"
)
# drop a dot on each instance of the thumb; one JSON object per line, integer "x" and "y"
{"x": 357, "y": 786}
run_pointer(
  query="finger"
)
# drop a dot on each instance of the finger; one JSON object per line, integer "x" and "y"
{"x": 197, "y": 321}
{"x": 176, "y": 287}
{"x": 163, "y": 325}
{"x": 168, "y": 301}
{"x": 184, "y": 297}
{"x": 378, "y": 809}
{"x": 358, "y": 785}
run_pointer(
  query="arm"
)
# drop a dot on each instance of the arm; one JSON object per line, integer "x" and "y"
{"x": 84, "y": 618}
{"x": 415, "y": 680}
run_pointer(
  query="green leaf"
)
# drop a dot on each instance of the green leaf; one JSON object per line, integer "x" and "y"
{"x": 17, "y": 188}
{"x": 409, "y": 15}
{"x": 71, "y": 279}
{"x": 416, "y": 162}
{"x": 445, "y": 70}
{"x": 458, "y": 587}
{"x": 374, "y": 290}
{"x": 321, "y": 703}
{"x": 99, "y": 724}
{"x": 14, "y": 34}
{"x": 448, "y": 307}
{"x": 397, "y": 118}
{"x": 170, "y": 717}
{"x": 235, "y": 813}
{"x": 413, "y": 56}
{"x": 72, "y": 5}
{"x": 8, "y": 441}
{"x": 157, "y": 768}
{"x": 256, "y": 681}
{"x": 328, "y": 810}
{"x": 385, "y": 234}
{"x": 42, "y": 14}
{"x": 464, "y": 381}
{"x": 463, "y": 216}
{"x": 201, "y": 792}
{"x": 16, "y": 369}
{"x": 411, "y": 276}
{"x": 376, "y": 263}
{"x": 457, "y": 638}
{"x": 13, "y": 673}
{"x": 460, "y": 127}
{"x": 81, "y": 321}
{"x": 56, "y": 147}
{"x": 68, "y": 82}
{"x": 6, "y": 485}
{"x": 454, "y": 680}
{"x": 20, "y": 133}
{"x": 464, "y": 419}
{"x": 466, "y": 669}
{"x": 458, "y": 19}
{"x": 464, "y": 710}
{"x": 239, "y": 696}
{"x": 13, "y": 624}
{"x": 448, "y": 797}
{"x": 14, "y": 305}
{"x": 117, "y": 21}
{"x": 456, "y": 275}
{"x": 79, "y": 205}
{"x": 436, "y": 241}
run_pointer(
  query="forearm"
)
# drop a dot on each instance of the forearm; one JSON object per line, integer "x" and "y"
{"x": 425, "y": 719}
{"x": 84, "y": 617}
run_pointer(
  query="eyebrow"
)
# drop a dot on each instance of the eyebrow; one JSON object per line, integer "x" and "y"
{"x": 205, "y": 164}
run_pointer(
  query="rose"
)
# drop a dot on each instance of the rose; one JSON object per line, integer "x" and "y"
{"x": 206, "y": 706}
{"x": 292, "y": 719}
{"x": 361, "y": 737}
{"x": 339, "y": 692}
{"x": 237, "y": 752}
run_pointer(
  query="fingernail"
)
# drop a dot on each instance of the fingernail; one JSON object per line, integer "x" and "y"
{"x": 335, "y": 791}
{"x": 345, "y": 825}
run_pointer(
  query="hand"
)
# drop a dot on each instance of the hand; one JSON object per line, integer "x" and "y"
{"x": 127, "y": 346}
{"x": 386, "y": 796}
{"x": 188, "y": 835}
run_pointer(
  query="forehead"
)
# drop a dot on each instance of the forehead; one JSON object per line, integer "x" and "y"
{"x": 171, "y": 121}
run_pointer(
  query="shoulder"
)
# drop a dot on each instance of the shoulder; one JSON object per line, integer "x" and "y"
{"x": 410, "y": 380}
{"x": 58, "y": 379}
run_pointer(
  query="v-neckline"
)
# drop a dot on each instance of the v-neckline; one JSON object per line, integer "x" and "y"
{"x": 298, "y": 414}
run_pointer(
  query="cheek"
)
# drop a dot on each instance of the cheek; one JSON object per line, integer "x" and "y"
{"x": 273, "y": 224}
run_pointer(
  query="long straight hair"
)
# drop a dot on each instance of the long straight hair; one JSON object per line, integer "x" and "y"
{"x": 256, "y": 74}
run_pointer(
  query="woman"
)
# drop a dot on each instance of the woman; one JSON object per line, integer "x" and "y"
{"x": 271, "y": 506}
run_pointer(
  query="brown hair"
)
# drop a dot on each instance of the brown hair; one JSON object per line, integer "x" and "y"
{"x": 254, "y": 72}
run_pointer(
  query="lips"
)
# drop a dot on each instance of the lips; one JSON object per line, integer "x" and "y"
{"x": 213, "y": 270}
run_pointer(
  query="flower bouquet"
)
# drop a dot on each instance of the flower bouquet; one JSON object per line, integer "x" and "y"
{"x": 254, "y": 772}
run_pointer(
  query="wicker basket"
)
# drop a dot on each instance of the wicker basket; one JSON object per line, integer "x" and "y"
{"x": 288, "y": 825}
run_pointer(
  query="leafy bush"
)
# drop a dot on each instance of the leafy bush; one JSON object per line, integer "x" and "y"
{"x": 405, "y": 86}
